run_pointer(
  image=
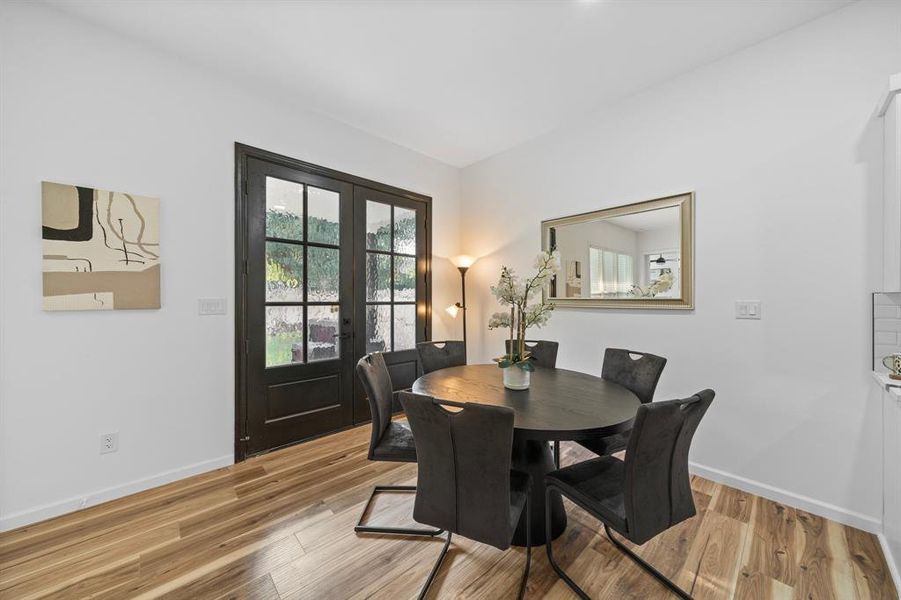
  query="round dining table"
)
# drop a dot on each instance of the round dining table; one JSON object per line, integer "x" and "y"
{"x": 559, "y": 405}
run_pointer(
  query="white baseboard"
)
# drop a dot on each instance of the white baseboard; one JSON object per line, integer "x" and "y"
{"x": 811, "y": 505}
{"x": 55, "y": 509}
{"x": 893, "y": 561}
{"x": 823, "y": 509}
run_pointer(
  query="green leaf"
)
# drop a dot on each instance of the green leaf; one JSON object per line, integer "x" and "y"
{"x": 526, "y": 366}
{"x": 504, "y": 363}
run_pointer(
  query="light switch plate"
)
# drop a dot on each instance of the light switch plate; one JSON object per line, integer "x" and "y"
{"x": 211, "y": 306}
{"x": 747, "y": 309}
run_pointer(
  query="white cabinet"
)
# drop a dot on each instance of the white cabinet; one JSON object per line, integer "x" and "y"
{"x": 891, "y": 473}
{"x": 890, "y": 112}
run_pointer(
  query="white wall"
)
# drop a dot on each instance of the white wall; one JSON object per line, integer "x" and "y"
{"x": 81, "y": 105}
{"x": 781, "y": 147}
{"x": 575, "y": 241}
{"x": 653, "y": 241}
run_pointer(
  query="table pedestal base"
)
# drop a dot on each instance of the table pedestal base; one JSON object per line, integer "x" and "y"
{"x": 535, "y": 458}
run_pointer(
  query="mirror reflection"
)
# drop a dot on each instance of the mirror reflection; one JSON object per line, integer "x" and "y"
{"x": 628, "y": 255}
{"x": 631, "y": 256}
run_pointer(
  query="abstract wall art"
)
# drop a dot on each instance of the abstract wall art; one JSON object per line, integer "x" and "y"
{"x": 101, "y": 249}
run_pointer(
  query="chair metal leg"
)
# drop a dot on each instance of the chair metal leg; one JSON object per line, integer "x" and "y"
{"x": 550, "y": 552}
{"x": 638, "y": 560}
{"x": 428, "y": 583}
{"x": 525, "y": 573}
{"x": 556, "y": 454}
{"x": 422, "y": 532}
{"x": 641, "y": 563}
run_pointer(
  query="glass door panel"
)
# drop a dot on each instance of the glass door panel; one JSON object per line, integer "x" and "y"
{"x": 392, "y": 299}
{"x": 322, "y": 216}
{"x": 378, "y": 226}
{"x": 323, "y": 340}
{"x": 284, "y": 335}
{"x": 391, "y": 280}
{"x": 284, "y": 272}
{"x": 404, "y": 230}
{"x": 284, "y": 209}
{"x": 404, "y": 327}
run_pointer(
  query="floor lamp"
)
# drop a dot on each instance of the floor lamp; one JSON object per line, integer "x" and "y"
{"x": 462, "y": 262}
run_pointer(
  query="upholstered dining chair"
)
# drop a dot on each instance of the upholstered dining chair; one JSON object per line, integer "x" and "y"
{"x": 390, "y": 440}
{"x": 544, "y": 352}
{"x": 644, "y": 495}
{"x": 639, "y": 372}
{"x": 441, "y": 355}
{"x": 465, "y": 483}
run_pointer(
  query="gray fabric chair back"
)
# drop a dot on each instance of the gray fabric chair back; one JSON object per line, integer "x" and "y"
{"x": 640, "y": 376}
{"x": 656, "y": 488}
{"x": 464, "y": 467}
{"x": 373, "y": 372}
{"x": 440, "y": 355}
{"x": 544, "y": 353}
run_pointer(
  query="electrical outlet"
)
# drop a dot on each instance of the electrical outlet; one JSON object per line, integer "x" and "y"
{"x": 109, "y": 442}
{"x": 211, "y": 306}
{"x": 747, "y": 309}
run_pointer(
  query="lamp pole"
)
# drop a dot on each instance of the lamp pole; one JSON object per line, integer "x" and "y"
{"x": 463, "y": 305}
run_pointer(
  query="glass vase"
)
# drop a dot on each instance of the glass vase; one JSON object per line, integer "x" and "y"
{"x": 516, "y": 378}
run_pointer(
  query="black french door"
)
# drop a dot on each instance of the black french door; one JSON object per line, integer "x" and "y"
{"x": 329, "y": 267}
{"x": 391, "y": 300}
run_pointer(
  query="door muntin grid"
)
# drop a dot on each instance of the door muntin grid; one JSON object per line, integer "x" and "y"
{"x": 390, "y": 277}
{"x": 302, "y": 266}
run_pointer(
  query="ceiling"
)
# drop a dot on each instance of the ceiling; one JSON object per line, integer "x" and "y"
{"x": 455, "y": 80}
{"x": 649, "y": 220}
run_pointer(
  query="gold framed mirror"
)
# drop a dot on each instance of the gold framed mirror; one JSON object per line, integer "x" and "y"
{"x": 635, "y": 256}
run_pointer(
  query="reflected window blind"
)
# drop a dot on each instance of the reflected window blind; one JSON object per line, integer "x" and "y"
{"x": 611, "y": 272}
{"x": 624, "y": 273}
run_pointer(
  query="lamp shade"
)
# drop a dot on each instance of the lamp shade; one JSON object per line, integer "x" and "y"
{"x": 452, "y": 310}
{"x": 463, "y": 261}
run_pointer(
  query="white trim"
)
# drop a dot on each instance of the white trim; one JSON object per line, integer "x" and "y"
{"x": 823, "y": 509}
{"x": 55, "y": 509}
{"x": 885, "y": 382}
{"x": 891, "y": 560}
{"x": 811, "y": 505}
{"x": 894, "y": 87}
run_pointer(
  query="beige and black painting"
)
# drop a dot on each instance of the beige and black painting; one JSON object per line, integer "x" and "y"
{"x": 101, "y": 249}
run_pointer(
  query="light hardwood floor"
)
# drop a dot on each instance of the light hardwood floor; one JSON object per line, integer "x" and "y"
{"x": 281, "y": 527}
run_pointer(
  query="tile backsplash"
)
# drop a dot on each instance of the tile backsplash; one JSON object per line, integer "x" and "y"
{"x": 886, "y": 327}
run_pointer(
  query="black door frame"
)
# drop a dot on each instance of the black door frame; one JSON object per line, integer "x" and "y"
{"x": 243, "y": 152}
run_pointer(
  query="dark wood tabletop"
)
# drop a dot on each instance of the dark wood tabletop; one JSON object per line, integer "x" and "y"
{"x": 559, "y": 405}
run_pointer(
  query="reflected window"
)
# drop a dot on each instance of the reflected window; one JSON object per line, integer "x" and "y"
{"x": 660, "y": 275}
{"x": 612, "y": 273}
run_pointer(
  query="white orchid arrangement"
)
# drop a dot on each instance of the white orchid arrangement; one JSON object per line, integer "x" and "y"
{"x": 517, "y": 294}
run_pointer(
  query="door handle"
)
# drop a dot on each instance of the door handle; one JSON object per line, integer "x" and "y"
{"x": 343, "y": 336}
